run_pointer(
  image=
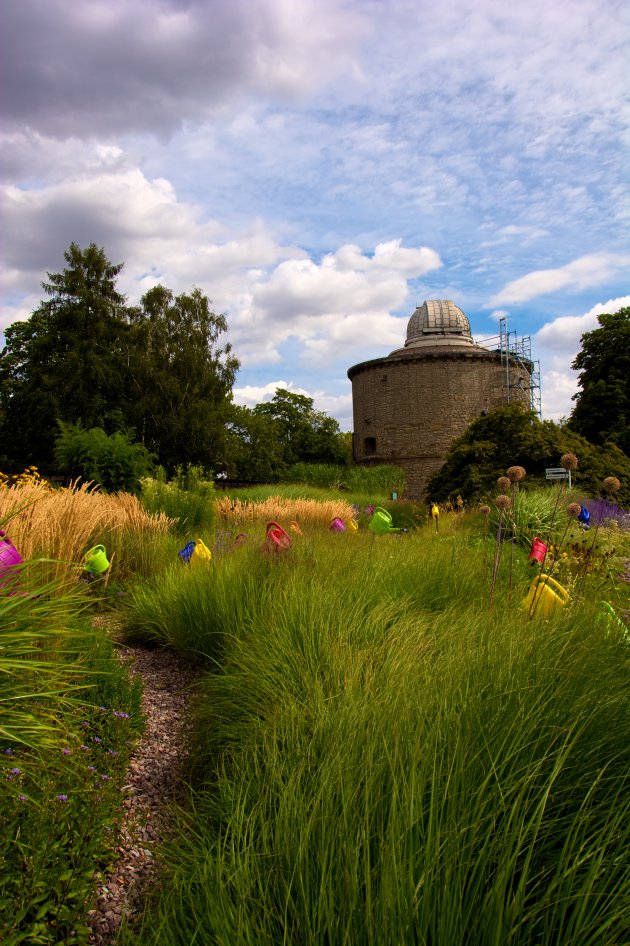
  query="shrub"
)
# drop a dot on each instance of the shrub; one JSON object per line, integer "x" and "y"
{"x": 113, "y": 461}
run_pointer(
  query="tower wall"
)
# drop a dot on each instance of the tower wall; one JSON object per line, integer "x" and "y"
{"x": 409, "y": 408}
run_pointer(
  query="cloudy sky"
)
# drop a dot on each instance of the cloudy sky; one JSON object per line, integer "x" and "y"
{"x": 320, "y": 167}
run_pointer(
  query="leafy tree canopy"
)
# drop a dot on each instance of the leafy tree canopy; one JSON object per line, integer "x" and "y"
{"x": 306, "y": 435}
{"x": 513, "y": 436}
{"x": 602, "y": 408}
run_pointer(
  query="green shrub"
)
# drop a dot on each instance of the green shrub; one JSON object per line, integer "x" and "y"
{"x": 188, "y": 498}
{"x": 113, "y": 461}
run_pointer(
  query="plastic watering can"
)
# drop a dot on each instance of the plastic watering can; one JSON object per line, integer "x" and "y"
{"x": 584, "y": 516}
{"x": 277, "y": 538}
{"x": 544, "y": 596}
{"x": 538, "y": 551}
{"x": 337, "y": 525}
{"x": 353, "y": 525}
{"x": 200, "y": 553}
{"x": 10, "y": 558}
{"x": 610, "y": 619}
{"x": 381, "y": 522}
{"x": 241, "y": 538}
{"x": 186, "y": 552}
{"x": 294, "y": 527}
{"x": 95, "y": 561}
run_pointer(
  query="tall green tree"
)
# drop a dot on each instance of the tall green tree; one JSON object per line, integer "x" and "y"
{"x": 306, "y": 435}
{"x": 64, "y": 363}
{"x": 180, "y": 385}
{"x": 602, "y": 406}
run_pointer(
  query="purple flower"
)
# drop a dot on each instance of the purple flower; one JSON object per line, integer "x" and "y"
{"x": 62, "y": 798}
{"x": 103, "y": 709}
{"x": 22, "y": 797}
{"x": 85, "y": 748}
{"x": 91, "y": 768}
{"x": 121, "y": 715}
{"x": 96, "y": 739}
{"x": 84, "y": 722}
{"x": 111, "y": 752}
{"x": 106, "y": 778}
{"x": 8, "y": 751}
{"x": 16, "y": 771}
{"x": 66, "y": 751}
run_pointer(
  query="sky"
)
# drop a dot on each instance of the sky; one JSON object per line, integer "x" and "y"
{"x": 319, "y": 168}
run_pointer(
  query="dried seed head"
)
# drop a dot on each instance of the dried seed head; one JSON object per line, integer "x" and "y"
{"x": 504, "y": 484}
{"x": 611, "y": 485}
{"x": 573, "y": 509}
{"x": 503, "y": 502}
{"x": 515, "y": 473}
{"x": 484, "y": 510}
{"x": 569, "y": 461}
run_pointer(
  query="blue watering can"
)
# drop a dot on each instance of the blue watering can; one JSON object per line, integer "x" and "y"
{"x": 584, "y": 516}
{"x": 186, "y": 553}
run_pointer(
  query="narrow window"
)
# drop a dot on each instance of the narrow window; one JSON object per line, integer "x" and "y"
{"x": 370, "y": 445}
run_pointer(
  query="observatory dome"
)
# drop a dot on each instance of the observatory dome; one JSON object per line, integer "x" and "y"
{"x": 437, "y": 322}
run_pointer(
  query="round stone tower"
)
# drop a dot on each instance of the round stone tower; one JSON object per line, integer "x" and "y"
{"x": 409, "y": 406}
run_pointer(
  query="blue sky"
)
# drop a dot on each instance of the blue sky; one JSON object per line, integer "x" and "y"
{"x": 319, "y": 168}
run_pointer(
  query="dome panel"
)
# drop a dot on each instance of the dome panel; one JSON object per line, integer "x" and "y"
{"x": 438, "y": 317}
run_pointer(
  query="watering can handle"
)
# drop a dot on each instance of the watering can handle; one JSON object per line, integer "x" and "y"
{"x": 547, "y": 580}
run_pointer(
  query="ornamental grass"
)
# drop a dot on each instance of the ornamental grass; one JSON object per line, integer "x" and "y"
{"x": 306, "y": 512}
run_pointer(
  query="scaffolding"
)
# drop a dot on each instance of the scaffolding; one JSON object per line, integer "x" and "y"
{"x": 515, "y": 352}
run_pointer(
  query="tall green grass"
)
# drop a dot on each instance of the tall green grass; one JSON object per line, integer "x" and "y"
{"x": 381, "y": 759}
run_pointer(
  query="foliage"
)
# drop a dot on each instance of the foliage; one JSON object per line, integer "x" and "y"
{"x": 254, "y": 451}
{"x": 511, "y": 435}
{"x": 112, "y": 461}
{"x": 352, "y": 478}
{"x": 602, "y": 406}
{"x": 69, "y": 713}
{"x": 181, "y": 381}
{"x": 305, "y": 435}
{"x": 64, "y": 363}
{"x": 187, "y": 499}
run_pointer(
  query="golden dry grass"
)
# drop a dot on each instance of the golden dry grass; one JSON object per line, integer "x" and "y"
{"x": 62, "y": 524}
{"x": 305, "y": 512}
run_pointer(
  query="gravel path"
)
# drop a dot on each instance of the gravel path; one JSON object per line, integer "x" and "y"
{"x": 153, "y": 781}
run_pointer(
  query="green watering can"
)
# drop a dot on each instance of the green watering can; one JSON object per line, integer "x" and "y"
{"x": 381, "y": 522}
{"x": 95, "y": 560}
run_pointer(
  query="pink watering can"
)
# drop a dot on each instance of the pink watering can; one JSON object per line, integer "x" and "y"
{"x": 10, "y": 558}
{"x": 337, "y": 525}
{"x": 538, "y": 551}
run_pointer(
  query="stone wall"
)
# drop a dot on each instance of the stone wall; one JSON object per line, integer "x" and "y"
{"x": 409, "y": 408}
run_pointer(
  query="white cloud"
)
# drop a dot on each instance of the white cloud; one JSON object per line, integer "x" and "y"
{"x": 590, "y": 270}
{"x": 556, "y": 344}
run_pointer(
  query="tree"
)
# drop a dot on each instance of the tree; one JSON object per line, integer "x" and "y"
{"x": 602, "y": 408}
{"x": 254, "y": 449}
{"x": 180, "y": 382}
{"x": 513, "y": 436}
{"x": 306, "y": 435}
{"x": 112, "y": 461}
{"x": 64, "y": 363}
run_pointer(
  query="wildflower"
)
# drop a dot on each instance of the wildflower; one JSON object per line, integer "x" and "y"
{"x": 121, "y": 715}
{"x": 611, "y": 485}
{"x": 515, "y": 473}
{"x": 569, "y": 461}
{"x": 503, "y": 502}
{"x": 574, "y": 510}
{"x": 62, "y": 798}
{"x": 111, "y": 752}
{"x": 504, "y": 484}
{"x": 66, "y": 752}
{"x": 85, "y": 748}
{"x": 96, "y": 739}
{"x": 8, "y": 751}
{"x": 22, "y": 798}
{"x": 106, "y": 778}
{"x": 16, "y": 771}
{"x": 91, "y": 768}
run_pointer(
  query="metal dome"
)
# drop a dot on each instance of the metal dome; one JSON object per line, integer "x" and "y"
{"x": 438, "y": 322}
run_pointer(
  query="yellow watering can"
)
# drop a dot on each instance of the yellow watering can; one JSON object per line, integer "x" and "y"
{"x": 95, "y": 561}
{"x": 200, "y": 553}
{"x": 381, "y": 522}
{"x": 544, "y": 596}
{"x": 353, "y": 525}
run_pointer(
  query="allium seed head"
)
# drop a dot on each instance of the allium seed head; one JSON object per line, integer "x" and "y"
{"x": 504, "y": 484}
{"x": 515, "y": 473}
{"x": 503, "y": 502}
{"x": 611, "y": 485}
{"x": 569, "y": 461}
{"x": 484, "y": 510}
{"x": 574, "y": 509}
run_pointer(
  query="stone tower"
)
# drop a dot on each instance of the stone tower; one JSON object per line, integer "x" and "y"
{"x": 409, "y": 406}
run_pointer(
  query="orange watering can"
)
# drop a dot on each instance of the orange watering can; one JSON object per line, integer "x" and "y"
{"x": 95, "y": 561}
{"x": 381, "y": 522}
{"x": 544, "y": 596}
{"x": 294, "y": 527}
{"x": 538, "y": 551}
